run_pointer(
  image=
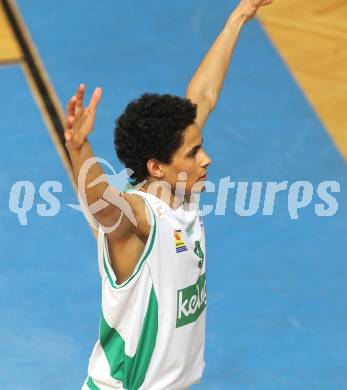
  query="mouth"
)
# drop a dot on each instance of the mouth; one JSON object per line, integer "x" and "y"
{"x": 204, "y": 177}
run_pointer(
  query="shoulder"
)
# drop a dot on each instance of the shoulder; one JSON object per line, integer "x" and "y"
{"x": 141, "y": 214}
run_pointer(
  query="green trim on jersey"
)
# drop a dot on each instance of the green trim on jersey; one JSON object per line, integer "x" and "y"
{"x": 142, "y": 259}
{"x": 91, "y": 384}
{"x": 113, "y": 284}
{"x": 131, "y": 371}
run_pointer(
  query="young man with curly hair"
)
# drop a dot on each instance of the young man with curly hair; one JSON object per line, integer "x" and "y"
{"x": 152, "y": 327}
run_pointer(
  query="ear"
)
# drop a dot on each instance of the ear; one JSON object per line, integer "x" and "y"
{"x": 155, "y": 168}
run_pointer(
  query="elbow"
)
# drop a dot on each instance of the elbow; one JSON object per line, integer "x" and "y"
{"x": 206, "y": 98}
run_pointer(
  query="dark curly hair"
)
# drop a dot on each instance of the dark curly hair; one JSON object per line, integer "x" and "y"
{"x": 151, "y": 127}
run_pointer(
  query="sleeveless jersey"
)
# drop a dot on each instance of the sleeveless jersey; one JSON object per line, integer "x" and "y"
{"x": 152, "y": 327}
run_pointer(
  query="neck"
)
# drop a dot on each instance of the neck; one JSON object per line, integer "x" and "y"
{"x": 164, "y": 192}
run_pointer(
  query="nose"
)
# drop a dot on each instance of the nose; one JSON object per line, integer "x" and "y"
{"x": 206, "y": 159}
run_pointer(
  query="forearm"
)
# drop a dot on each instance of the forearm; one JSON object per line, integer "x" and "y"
{"x": 208, "y": 80}
{"x": 78, "y": 158}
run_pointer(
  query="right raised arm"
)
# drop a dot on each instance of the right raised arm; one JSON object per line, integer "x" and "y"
{"x": 120, "y": 214}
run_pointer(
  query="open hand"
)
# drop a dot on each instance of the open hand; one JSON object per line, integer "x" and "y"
{"x": 79, "y": 120}
{"x": 249, "y": 8}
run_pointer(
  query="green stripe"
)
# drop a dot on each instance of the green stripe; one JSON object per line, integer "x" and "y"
{"x": 108, "y": 273}
{"x": 142, "y": 259}
{"x": 131, "y": 371}
{"x": 91, "y": 384}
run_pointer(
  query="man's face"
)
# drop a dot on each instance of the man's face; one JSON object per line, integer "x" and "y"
{"x": 191, "y": 159}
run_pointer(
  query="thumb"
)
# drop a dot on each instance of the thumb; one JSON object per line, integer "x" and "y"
{"x": 68, "y": 136}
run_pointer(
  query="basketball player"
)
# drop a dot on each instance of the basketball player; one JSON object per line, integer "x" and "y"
{"x": 152, "y": 265}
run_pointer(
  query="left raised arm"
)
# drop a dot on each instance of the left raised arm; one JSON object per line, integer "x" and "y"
{"x": 207, "y": 82}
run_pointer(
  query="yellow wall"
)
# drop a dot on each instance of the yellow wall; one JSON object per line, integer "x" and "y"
{"x": 9, "y": 50}
{"x": 311, "y": 36}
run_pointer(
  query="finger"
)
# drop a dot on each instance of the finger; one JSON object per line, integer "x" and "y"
{"x": 95, "y": 99}
{"x": 71, "y": 106}
{"x": 69, "y": 122}
{"x": 80, "y": 95}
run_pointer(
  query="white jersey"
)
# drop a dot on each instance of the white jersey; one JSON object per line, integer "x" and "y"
{"x": 152, "y": 328}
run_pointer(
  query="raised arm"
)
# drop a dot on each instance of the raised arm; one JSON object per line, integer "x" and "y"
{"x": 207, "y": 82}
{"x": 106, "y": 203}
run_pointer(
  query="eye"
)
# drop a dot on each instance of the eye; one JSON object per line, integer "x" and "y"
{"x": 192, "y": 153}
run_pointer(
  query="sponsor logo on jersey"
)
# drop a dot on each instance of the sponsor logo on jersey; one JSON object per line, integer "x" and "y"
{"x": 159, "y": 210}
{"x": 201, "y": 221}
{"x": 191, "y": 302}
{"x": 180, "y": 245}
{"x": 199, "y": 252}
